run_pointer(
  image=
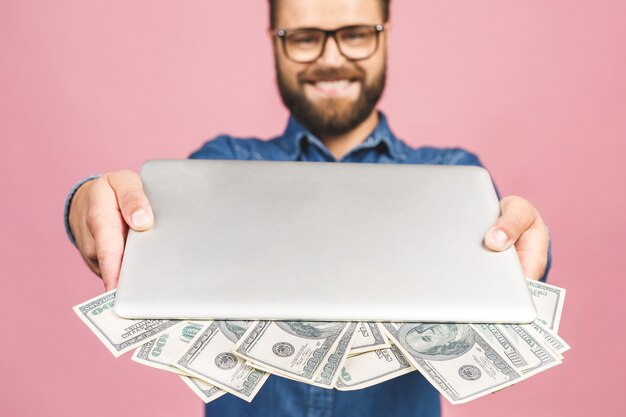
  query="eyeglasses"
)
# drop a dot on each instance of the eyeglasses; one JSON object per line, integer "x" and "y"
{"x": 306, "y": 45}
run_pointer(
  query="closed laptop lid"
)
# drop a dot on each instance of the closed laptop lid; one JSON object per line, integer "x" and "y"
{"x": 320, "y": 241}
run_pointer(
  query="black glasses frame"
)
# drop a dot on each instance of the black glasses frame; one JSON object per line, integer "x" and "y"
{"x": 282, "y": 34}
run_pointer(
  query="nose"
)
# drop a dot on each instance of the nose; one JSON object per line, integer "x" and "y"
{"x": 331, "y": 55}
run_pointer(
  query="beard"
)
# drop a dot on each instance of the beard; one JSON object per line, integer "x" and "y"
{"x": 331, "y": 117}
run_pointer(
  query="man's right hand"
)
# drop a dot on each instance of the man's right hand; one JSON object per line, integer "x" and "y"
{"x": 101, "y": 212}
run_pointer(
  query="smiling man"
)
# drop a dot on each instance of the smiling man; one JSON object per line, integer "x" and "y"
{"x": 330, "y": 58}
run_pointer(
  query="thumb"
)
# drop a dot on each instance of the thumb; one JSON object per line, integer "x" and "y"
{"x": 132, "y": 201}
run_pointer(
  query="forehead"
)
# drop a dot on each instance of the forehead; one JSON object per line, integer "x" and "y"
{"x": 327, "y": 14}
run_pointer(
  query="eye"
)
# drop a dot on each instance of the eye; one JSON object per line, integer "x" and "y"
{"x": 427, "y": 338}
{"x": 356, "y": 35}
{"x": 303, "y": 39}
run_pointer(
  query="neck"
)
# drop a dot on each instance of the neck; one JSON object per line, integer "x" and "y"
{"x": 340, "y": 145}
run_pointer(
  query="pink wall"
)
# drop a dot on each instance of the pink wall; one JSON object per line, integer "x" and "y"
{"x": 536, "y": 87}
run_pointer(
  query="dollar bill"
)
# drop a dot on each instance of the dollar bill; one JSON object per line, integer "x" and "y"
{"x": 503, "y": 344}
{"x": 462, "y": 361}
{"x": 525, "y": 350}
{"x": 550, "y": 338}
{"x": 368, "y": 336}
{"x": 371, "y": 368}
{"x": 119, "y": 335}
{"x": 299, "y": 349}
{"x": 532, "y": 347}
{"x": 210, "y": 358}
{"x": 549, "y": 301}
{"x": 455, "y": 358}
{"x": 335, "y": 361}
{"x": 161, "y": 353}
{"x": 204, "y": 390}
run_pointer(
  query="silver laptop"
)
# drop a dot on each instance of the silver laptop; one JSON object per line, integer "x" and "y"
{"x": 320, "y": 241}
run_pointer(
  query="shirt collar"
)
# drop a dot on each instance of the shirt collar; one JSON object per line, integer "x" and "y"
{"x": 295, "y": 133}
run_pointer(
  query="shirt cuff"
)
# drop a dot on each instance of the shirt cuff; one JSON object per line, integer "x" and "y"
{"x": 68, "y": 203}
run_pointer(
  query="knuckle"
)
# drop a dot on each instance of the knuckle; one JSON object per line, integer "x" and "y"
{"x": 93, "y": 219}
{"x": 94, "y": 188}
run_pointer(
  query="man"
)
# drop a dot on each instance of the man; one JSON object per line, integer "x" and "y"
{"x": 438, "y": 341}
{"x": 330, "y": 58}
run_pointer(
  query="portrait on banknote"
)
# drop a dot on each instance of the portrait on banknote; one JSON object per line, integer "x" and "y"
{"x": 437, "y": 341}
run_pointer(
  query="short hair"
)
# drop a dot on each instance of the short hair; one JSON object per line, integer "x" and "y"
{"x": 384, "y": 4}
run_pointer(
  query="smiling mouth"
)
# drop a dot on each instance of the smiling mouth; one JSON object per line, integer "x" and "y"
{"x": 331, "y": 87}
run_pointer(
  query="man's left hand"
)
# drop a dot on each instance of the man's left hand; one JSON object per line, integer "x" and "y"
{"x": 521, "y": 225}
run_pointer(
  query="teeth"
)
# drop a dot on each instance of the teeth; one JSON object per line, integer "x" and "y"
{"x": 335, "y": 84}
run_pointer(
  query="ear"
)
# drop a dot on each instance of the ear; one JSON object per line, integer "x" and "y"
{"x": 271, "y": 36}
{"x": 270, "y": 33}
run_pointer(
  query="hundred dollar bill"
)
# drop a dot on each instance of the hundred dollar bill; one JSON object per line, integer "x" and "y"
{"x": 550, "y": 338}
{"x": 298, "y": 349}
{"x": 455, "y": 358}
{"x": 335, "y": 361}
{"x": 368, "y": 336}
{"x": 532, "y": 348}
{"x": 118, "y": 335}
{"x": 162, "y": 352}
{"x": 548, "y": 301}
{"x": 209, "y": 358}
{"x": 371, "y": 368}
{"x": 524, "y": 350}
{"x": 204, "y": 390}
{"x": 502, "y": 343}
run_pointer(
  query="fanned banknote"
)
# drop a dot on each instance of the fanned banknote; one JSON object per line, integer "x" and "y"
{"x": 368, "y": 336}
{"x": 551, "y": 339}
{"x": 532, "y": 346}
{"x": 526, "y": 351}
{"x": 462, "y": 361}
{"x": 118, "y": 335}
{"x": 162, "y": 352}
{"x": 454, "y": 358}
{"x": 209, "y": 357}
{"x": 371, "y": 368}
{"x": 335, "y": 361}
{"x": 549, "y": 301}
{"x": 298, "y": 349}
{"x": 204, "y": 390}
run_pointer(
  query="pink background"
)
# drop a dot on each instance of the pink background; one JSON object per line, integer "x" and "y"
{"x": 536, "y": 87}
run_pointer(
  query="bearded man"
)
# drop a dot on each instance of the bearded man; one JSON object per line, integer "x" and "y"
{"x": 330, "y": 58}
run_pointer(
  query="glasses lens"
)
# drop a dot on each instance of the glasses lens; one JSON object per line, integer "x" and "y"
{"x": 304, "y": 45}
{"x": 357, "y": 42}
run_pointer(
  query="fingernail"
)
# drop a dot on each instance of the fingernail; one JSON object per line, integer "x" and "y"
{"x": 499, "y": 239}
{"x": 140, "y": 218}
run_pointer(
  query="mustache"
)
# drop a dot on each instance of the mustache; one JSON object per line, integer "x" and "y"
{"x": 330, "y": 74}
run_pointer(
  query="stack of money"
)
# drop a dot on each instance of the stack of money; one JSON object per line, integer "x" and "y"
{"x": 462, "y": 361}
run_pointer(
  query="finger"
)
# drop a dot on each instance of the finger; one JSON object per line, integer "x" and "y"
{"x": 109, "y": 232}
{"x": 131, "y": 199}
{"x": 517, "y": 216}
{"x": 532, "y": 250}
{"x": 89, "y": 255}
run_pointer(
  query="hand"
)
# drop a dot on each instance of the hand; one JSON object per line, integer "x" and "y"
{"x": 520, "y": 224}
{"x": 100, "y": 214}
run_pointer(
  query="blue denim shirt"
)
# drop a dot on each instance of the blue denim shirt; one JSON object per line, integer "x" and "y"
{"x": 406, "y": 396}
